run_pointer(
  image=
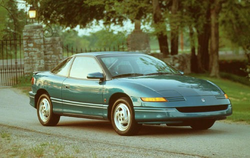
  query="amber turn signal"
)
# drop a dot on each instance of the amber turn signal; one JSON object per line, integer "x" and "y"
{"x": 157, "y": 99}
{"x": 226, "y": 96}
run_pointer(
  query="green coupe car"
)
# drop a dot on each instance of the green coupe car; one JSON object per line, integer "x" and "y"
{"x": 129, "y": 89}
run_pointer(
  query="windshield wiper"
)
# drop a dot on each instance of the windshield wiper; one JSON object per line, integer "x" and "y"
{"x": 159, "y": 73}
{"x": 128, "y": 75}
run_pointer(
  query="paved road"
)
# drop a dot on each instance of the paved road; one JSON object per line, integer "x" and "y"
{"x": 222, "y": 140}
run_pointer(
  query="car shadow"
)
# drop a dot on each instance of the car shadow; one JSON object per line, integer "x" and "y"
{"x": 174, "y": 130}
{"x": 100, "y": 125}
{"x": 106, "y": 126}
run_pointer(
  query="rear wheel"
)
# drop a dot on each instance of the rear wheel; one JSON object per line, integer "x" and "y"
{"x": 202, "y": 124}
{"x": 122, "y": 117}
{"x": 45, "y": 111}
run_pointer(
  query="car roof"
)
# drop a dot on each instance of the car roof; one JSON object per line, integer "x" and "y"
{"x": 107, "y": 53}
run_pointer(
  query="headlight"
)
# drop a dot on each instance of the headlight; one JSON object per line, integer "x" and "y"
{"x": 157, "y": 99}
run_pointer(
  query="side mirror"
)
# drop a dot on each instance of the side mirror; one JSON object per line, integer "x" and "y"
{"x": 181, "y": 72}
{"x": 95, "y": 75}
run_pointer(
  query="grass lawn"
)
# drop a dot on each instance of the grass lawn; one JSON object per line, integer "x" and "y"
{"x": 239, "y": 95}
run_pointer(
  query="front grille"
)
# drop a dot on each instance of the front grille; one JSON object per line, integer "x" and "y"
{"x": 202, "y": 108}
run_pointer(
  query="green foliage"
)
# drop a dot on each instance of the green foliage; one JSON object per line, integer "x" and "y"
{"x": 25, "y": 80}
{"x": 194, "y": 13}
{"x": 14, "y": 20}
{"x": 236, "y": 23}
{"x": 24, "y": 84}
{"x": 3, "y": 13}
{"x": 190, "y": 14}
{"x": 105, "y": 38}
{"x": 71, "y": 39}
{"x": 71, "y": 13}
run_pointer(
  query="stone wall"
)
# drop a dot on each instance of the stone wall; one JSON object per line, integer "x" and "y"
{"x": 40, "y": 53}
{"x": 53, "y": 52}
{"x": 33, "y": 48}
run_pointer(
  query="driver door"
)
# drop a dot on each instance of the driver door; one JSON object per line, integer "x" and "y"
{"x": 82, "y": 96}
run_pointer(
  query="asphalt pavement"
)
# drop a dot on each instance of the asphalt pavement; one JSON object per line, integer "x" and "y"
{"x": 224, "y": 139}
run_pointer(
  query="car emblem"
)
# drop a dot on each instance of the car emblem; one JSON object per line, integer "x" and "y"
{"x": 203, "y": 100}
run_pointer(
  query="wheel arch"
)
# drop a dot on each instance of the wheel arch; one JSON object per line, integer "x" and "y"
{"x": 38, "y": 94}
{"x": 112, "y": 100}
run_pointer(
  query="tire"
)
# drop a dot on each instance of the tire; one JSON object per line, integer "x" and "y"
{"x": 45, "y": 111}
{"x": 122, "y": 117}
{"x": 202, "y": 124}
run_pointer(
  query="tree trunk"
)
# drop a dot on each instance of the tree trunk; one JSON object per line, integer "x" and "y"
{"x": 160, "y": 28}
{"x": 203, "y": 44}
{"x": 194, "y": 67}
{"x": 214, "y": 44}
{"x": 174, "y": 28}
{"x": 247, "y": 53}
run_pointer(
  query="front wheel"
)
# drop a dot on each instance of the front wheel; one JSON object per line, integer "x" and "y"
{"x": 122, "y": 117}
{"x": 45, "y": 111}
{"x": 202, "y": 124}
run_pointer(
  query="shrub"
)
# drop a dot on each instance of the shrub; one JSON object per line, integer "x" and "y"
{"x": 236, "y": 67}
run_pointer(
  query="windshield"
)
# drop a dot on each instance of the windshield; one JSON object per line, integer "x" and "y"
{"x": 136, "y": 65}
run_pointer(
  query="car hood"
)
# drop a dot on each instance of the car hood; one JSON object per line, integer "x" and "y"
{"x": 176, "y": 85}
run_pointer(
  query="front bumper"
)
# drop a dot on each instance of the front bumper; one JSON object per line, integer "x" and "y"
{"x": 32, "y": 99}
{"x": 172, "y": 115}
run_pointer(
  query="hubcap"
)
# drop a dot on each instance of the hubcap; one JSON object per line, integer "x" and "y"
{"x": 122, "y": 117}
{"x": 44, "y": 109}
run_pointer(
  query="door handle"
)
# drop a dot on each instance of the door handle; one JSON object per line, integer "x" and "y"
{"x": 67, "y": 86}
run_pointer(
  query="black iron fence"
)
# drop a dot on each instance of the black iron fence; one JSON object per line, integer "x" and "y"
{"x": 68, "y": 51}
{"x": 11, "y": 61}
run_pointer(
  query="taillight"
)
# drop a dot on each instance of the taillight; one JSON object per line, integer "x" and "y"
{"x": 32, "y": 80}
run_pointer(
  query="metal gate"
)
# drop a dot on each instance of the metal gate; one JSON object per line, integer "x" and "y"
{"x": 11, "y": 61}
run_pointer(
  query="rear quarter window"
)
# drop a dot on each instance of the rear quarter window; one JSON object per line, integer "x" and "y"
{"x": 62, "y": 69}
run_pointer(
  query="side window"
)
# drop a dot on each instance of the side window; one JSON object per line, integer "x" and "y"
{"x": 82, "y": 66}
{"x": 63, "y": 68}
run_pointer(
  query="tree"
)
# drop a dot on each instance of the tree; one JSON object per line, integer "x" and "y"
{"x": 70, "y": 13}
{"x": 71, "y": 39}
{"x": 14, "y": 19}
{"x": 197, "y": 16}
{"x": 214, "y": 44}
{"x": 174, "y": 24}
{"x": 236, "y": 23}
{"x": 3, "y": 17}
{"x": 160, "y": 27}
{"x": 201, "y": 18}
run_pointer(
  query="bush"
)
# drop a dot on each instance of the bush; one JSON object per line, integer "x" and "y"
{"x": 24, "y": 80}
{"x": 236, "y": 67}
